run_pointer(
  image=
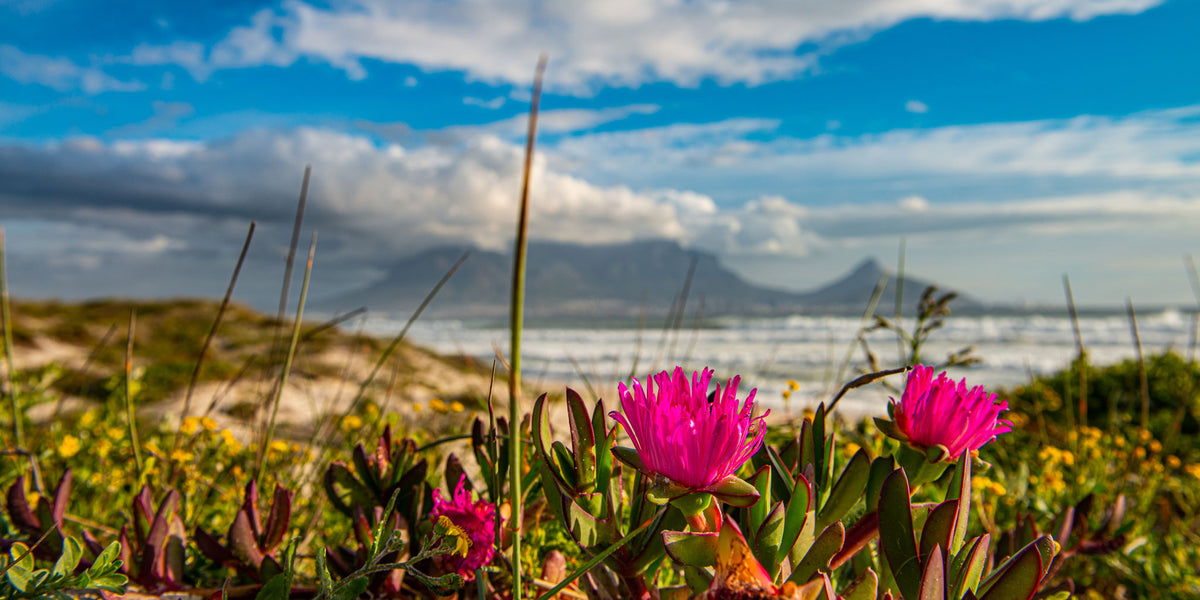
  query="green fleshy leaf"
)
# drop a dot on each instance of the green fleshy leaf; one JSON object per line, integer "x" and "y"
{"x": 691, "y": 548}
{"x": 71, "y": 553}
{"x": 665, "y": 491}
{"x": 691, "y": 504}
{"x": 881, "y": 467}
{"x": 604, "y": 443}
{"x": 938, "y": 528}
{"x": 848, "y": 489}
{"x": 968, "y": 566}
{"x": 933, "y": 581}
{"x": 796, "y": 515}
{"x": 866, "y": 587}
{"x": 896, "y": 537}
{"x": 768, "y": 538}
{"x": 629, "y": 456}
{"x": 960, "y": 489}
{"x": 819, "y": 554}
{"x": 583, "y": 442}
{"x": 735, "y": 491}
{"x": 889, "y": 428}
{"x": 1017, "y": 578}
{"x": 762, "y": 483}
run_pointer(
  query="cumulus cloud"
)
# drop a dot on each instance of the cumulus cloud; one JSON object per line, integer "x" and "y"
{"x": 595, "y": 43}
{"x": 59, "y": 73}
{"x": 916, "y": 107}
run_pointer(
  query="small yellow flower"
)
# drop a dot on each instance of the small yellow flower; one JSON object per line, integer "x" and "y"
{"x": 437, "y": 405}
{"x": 462, "y": 543}
{"x": 69, "y": 447}
{"x": 787, "y": 394}
{"x": 1193, "y": 470}
{"x": 793, "y": 385}
{"x": 417, "y": 408}
{"x": 278, "y": 446}
{"x": 87, "y": 419}
{"x": 1139, "y": 453}
{"x": 1155, "y": 446}
{"x": 351, "y": 423}
{"x": 1173, "y": 461}
{"x": 189, "y": 425}
{"x": 181, "y": 455}
{"x": 457, "y": 406}
{"x": 228, "y": 439}
{"x": 208, "y": 424}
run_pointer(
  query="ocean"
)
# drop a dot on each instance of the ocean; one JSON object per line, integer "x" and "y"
{"x": 818, "y": 353}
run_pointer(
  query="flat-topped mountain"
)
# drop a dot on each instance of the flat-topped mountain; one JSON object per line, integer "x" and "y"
{"x": 617, "y": 280}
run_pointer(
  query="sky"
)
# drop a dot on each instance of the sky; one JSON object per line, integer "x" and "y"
{"x": 1004, "y": 143}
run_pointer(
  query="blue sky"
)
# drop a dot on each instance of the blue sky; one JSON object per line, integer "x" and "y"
{"x": 1007, "y": 142}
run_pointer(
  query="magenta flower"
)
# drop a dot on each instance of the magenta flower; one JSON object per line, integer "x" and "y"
{"x": 477, "y": 520}
{"x": 938, "y": 411}
{"x": 682, "y": 436}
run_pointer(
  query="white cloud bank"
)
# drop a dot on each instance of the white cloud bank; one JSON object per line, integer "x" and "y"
{"x": 592, "y": 43}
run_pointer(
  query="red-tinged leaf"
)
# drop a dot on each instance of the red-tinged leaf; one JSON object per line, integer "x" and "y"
{"x": 143, "y": 514}
{"x": 369, "y": 474}
{"x": 242, "y": 542}
{"x": 61, "y": 492}
{"x": 848, "y": 489}
{"x": 736, "y": 569}
{"x": 969, "y": 566}
{"x": 250, "y": 508}
{"x": 583, "y": 442}
{"x": 279, "y": 519}
{"x": 209, "y": 546}
{"x": 939, "y": 526}
{"x": 1018, "y": 578}
{"x": 19, "y": 511}
{"x": 933, "y": 581}
{"x": 735, "y": 491}
{"x": 768, "y": 540}
{"x": 796, "y": 518}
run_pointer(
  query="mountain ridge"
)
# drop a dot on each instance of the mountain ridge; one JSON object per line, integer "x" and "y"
{"x": 614, "y": 280}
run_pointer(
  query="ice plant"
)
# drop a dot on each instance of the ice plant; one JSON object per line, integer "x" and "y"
{"x": 476, "y": 520}
{"x": 939, "y": 412}
{"x": 681, "y": 436}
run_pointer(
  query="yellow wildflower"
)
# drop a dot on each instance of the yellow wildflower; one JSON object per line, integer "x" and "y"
{"x": 417, "y": 408}
{"x": 1155, "y": 446}
{"x": 793, "y": 385}
{"x": 457, "y": 406}
{"x": 87, "y": 419}
{"x": 1173, "y": 461}
{"x": 189, "y": 425}
{"x": 178, "y": 455}
{"x": 208, "y": 423}
{"x": 69, "y": 447}
{"x": 230, "y": 441}
{"x": 438, "y": 405}
{"x": 462, "y": 542}
{"x": 787, "y": 394}
{"x": 278, "y": 446}
{"x": 1193, "y": 470}
{"x": 351, "y": 422}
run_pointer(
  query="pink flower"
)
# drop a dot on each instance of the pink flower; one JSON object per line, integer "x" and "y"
{"x": 477, "y": 520}
{"x": 682, "y": 436}
{"x": 939, "y": 412}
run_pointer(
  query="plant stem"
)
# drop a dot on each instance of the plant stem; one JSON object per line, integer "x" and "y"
{"x": 597, "y": 559}
{"x": 6, "y": 318}
{"x": 287, "y": 363}
{"x": 517, "y": 316}
{"x": 130, "y": 414}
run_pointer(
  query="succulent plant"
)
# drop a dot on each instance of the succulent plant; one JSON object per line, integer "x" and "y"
{"x": 46, "y": 514}
{"x": 250, "y": 547}
{"x": 155, "y": 556}
{"x": 583, "y": 487}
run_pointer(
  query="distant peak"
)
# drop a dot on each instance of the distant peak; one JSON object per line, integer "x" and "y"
{"x": 869, "y": 265}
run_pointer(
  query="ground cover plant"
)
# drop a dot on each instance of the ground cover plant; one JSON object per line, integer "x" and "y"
{"x": 681, "y": 486}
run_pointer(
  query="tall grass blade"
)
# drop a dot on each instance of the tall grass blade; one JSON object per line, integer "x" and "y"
{"x": 6, "y": 318}
{"x": 1194, "y": 278}
{"x": 515, "y": 325}
{"x": 130, "y": 414}
{"x": 291, "y": 257}
{"x": 1080, "y": 352}
{"x": 212, "y": 332}
{"x": 287, "y": 364}
{"x": 1141, "y": 361}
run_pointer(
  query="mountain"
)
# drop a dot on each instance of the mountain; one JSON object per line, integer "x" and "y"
{"x": 854, "y": 290}
{"x": 617, "y": 280}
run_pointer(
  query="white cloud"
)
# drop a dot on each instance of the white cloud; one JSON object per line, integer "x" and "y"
{"x": 189, "y": 55}
{"x": 596, "y": 43}
{"x": 913, "y": 204}
{"x": 59, "y": 73}
{"x": 492, "y": 104}
{"x": 916, "y": 107}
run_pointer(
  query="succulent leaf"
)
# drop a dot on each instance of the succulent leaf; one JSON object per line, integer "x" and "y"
{"x": 896, "y": 536}
{"x": 848, "y": 489}
{"x": 820, "y": 553}
{"x": 933, "y": 581}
